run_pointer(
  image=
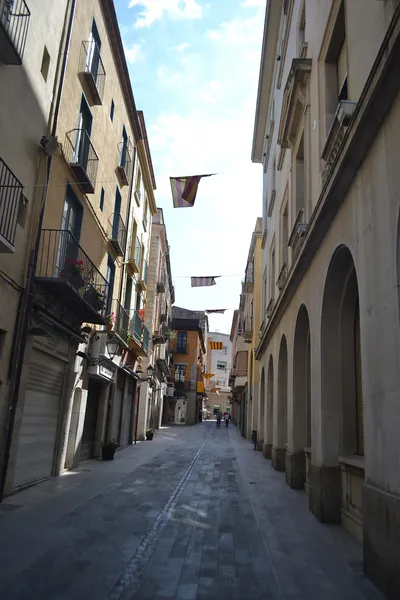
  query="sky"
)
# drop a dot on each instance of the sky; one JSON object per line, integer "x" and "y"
{"x": 194, "y": 68}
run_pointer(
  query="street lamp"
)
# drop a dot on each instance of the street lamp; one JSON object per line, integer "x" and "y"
{"x": 112, "y": 346}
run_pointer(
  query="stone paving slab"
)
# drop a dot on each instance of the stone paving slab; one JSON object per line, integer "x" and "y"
{"x": 194, "y": 515}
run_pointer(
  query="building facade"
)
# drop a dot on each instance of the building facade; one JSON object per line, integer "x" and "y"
{"x": 186, "y": 381}
{"x": 87, "y": 335}
{"x": 153, "y": 409}
{"x": 239, "y": 371}
{"x": 219, "y": 362}
{"x": 327, "y": 118}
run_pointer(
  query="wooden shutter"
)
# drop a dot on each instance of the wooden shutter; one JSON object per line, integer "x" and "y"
{"x": 358, "y": 375}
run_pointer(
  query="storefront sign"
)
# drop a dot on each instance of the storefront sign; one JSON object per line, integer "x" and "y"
{"x": 104, "y": 370}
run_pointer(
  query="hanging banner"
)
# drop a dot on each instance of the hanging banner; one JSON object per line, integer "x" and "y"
{"x": 216, "y": 345}
{"x": 204, "y": 281}
{"x": 219, "y": 311}
{"x": 184, "y": 189}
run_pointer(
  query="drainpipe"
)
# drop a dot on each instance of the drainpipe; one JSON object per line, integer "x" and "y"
{"x": 27, "y": 296}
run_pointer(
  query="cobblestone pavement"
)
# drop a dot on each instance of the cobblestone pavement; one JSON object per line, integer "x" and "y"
{"x": 195, "y": 514}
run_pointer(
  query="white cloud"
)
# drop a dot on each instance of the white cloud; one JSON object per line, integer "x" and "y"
{"x": 237, "y": 32}
{"x": 180, "y": 47}
{"x": 176, "y": 9}
{"x": 134, "y": 53}
{"x": 254, "y": 3}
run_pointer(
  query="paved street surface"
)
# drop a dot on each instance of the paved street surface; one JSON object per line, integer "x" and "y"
{"x": 194, "y": 514}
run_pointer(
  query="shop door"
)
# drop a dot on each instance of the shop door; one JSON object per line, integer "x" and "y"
{"x": 89, "y": 426}
{"x": 38, "y": 433}
{"x": 127, "y": 425}
{"x": 119, "y": 394}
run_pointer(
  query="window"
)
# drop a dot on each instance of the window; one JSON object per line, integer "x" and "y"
{"x": 284, "y": 233}
{"x": 224, "y": 350}
{"x": 128, "y": 293}
{"x": 110, "y": 276}
{"x": 272, "y": 280}
{"x": 138, "y": 191}
{"x": 301, "y": 50}
{"x": 299, "y": 175}
{"x": 335, "y": 67}
{"x": 181, "y": 342}
{"x": 145, "y": 216}
{"x": 221, "y": 366}
{"x": 180, "y": 373}
{"x": 112, "y": 109}
{"x": 124, "y": 147}
{"x": 44, "y": 69}
{"x": 101, "y": 204}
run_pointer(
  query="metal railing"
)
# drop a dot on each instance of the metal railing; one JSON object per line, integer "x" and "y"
{"x": 79, "y": 152}
{"x": 61, "y": 257}
{"x": 117, "y": 231}
{"x": 125, "y": 159}
{"x": 14, "y": 18}
{"x": 91, "y": 62}
{"x": 138, "y": 330}
{"x": 120, "y": 320}
{"x": 10, "y": 199}
{"x": 146, "y": 338}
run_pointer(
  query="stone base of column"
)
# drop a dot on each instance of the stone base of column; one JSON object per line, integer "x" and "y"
{"x": 278, "y": 458}
{"x": 324, "y": 494}
{"x": 381, "y": 540}
{"x": 295, "y": 469}
{"x": 267, "y": 450}
{"x": 260, "y": 444}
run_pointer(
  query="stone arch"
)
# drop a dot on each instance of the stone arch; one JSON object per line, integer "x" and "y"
{"x": 269, "y": 413}
{"x": 341, "y": 383}
{"x": 280, "y": 434}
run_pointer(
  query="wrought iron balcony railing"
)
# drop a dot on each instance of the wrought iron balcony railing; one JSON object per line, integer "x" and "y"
{"x": 65, "y": 270}
{"x": 117, "y": 234}
{"x": 82, "y": 159}
{"x": 14, "y": 24}
{"x": 138, "y": 333}
{"x": 120, "y": 320}
{"x": 10, "y": 201}
{"x": 91, "y": 69}
{"x": 125, "y": 163}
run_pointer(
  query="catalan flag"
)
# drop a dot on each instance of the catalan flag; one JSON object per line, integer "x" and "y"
{"x": 219, "y": 311}
{"x": 184, "y": 189}
{"x": 204, "y": 281}
{"x": 208, "y": 375}
{"x": 216, "y": 345}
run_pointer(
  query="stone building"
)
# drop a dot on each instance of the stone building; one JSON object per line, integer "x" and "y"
{"x": 326, "y": 134}
{"x": 86, "y": 333}
{"x": 188, "y": 348}
{"x": 153, "y": 407}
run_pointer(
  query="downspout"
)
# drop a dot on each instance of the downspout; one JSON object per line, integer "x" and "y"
{"x": 27, "y": 296}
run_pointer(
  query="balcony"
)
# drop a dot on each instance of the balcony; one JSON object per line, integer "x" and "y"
{"x": 66, "y": 271}
{"x": 138, "y": 334}
{"x": 82, "y": 159}
{"x": 135, "y": 257}
{"x": 249, "y": 282}
{"x": 161, "y": 284}
{"x": 270, "y": 308}
{"x": 91, "y": 70}
{"x": 282, "y": 277}
{"x": 297, "y": 235}
{"x": 117, "y": 234}
{"x": 120, "y": 321}
{"x": 343, "y": 117}
{"x": 142, "y": 284}
{"x": 248, "y": 329}
{"x": 14, "y": 24}
{"x": 163, "y": 360}
{"x": 125, "y": 164}
{"x": 11, "y": 198}
{"x": 145, "y": 222}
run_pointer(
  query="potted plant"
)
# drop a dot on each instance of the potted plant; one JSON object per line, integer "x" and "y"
{"x": 149, "y": 434}
{"x": 108, "y": 449}
{"x": 94, "y": 297}
{"x": 110, "y": 322}
{"x": 73, "y": 272}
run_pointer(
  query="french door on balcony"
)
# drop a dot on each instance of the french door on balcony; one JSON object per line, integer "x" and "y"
{"x": 117, "y": 216}
{"x": 82, "y": 140}
{"x": 93, "y": 52}
{"x": 68, "y": 247}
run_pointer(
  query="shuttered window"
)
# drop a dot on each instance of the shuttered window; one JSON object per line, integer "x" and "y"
{"x": 358, "y": 374}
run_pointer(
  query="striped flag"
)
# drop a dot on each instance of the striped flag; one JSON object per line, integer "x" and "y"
{"x": 204, "y": 281}
{"x": 219, "y": 311}
{"x": 184, "y": 189}
{"x": 216, "y": 345}
{"x": 208, "y": 375}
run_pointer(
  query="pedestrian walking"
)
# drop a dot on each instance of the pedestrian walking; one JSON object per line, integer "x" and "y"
{"x": 226, "y": 419}
{"x": 218, "y": 419}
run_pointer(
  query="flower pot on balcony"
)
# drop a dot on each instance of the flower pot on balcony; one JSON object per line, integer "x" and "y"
{"x": 74, "y": 278}
{"x": 108, "y": 327}
{"x": 94, "y": 298}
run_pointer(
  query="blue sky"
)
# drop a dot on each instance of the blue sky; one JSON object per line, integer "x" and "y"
{"x": 194, "y": 68}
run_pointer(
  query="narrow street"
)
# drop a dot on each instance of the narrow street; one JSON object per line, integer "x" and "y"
{"x": 194, "y": 514}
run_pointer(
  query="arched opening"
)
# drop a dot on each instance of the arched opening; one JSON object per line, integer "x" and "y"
{"x": 299, "y": 453}
{"x": 261, "y": 418}
{"x": 269, "y": 416}
{"x": 335, "y": 485}
{"x": 280, "y": 433}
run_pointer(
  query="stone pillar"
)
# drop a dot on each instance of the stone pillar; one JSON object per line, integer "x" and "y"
{"x": 295, "y": 469}
{"x": 324, "y": 497}
{"x": 267, "y": 450}
{"x": 278, "y": 458}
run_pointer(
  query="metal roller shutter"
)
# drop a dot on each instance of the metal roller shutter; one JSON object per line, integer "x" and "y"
{"x": 119, "y": 394}
{"x": 37, "y": 439}
{"x": 358, "y": 375}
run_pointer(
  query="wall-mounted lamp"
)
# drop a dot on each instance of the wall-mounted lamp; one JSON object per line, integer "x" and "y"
{"x": 112, "y": 346}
